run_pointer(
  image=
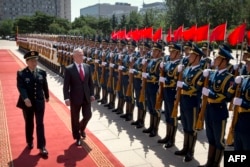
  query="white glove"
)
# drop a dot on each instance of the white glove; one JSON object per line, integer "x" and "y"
{"x": 238, "y": 80}
{"x": 180, "y": 84}
{"x": 120, "y": 67}
{"x": 104, "y": 63}
{"x": 237, "y": 101}
{"x": 111, "y": 54}
{"x": 162, "y": 79}
{"x": 236, "y": 66}
{"x": 131, "y": 71}
{"x": 162, "y": 64}
{"x": 144, "y": 75}
{"x": 131, "y": 59}
{"x": 84, "y": 57}
{"x": 120, "y": 56}
{"x": 205, "y": 91}
{"x": 180, "y": 67}
{"x": 212, "y": 63}
{"x": 206, "y": 72}
{"x": 111, "y": 65}
{"x": 103, "y": 54}
{"x": 88, "y": 58}
{"x": 96, "y": 61}
{"x": 96, "y": 51}
{"x": 144, "y": 61}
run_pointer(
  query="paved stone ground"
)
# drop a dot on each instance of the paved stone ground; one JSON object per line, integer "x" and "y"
{"x": 132, "y": 147}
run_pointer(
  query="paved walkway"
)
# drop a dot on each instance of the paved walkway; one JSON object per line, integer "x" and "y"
{"x": 132, "y": 147}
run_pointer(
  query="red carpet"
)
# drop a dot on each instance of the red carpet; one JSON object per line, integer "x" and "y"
{"x": 60, "y": 144}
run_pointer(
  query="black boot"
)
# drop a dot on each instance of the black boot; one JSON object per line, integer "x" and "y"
{"x": 120, "y": 108}
{"x": 97, "y": 93}
{"x": 104, "y": 96}
{"x": 130, "y": 112}
{"x": 184, "y": 150}
{"x": 138, "y": 118}
{"x": 171, "y": 140}
{"x": 154, "y": 132}
{"x": 112, "y": 101}
{"x": 166, "y": 138}
{"x": 191, "y": 144}
{"x": 142, "y": 119}
{"x": 217, "y": 158}
{"x": 127, "y": 110}
{"x": 148, "y": 130}
{"x": 119, "y": 103}
{"x": 210, "y": 157}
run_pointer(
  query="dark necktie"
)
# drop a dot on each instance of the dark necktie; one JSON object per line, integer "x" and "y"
{"x": 81, "y": 72}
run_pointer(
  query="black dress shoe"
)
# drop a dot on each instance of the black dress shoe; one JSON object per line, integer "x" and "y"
{"x": 110, "y": 107}
{"x": 106, "y": 105}
{"x": 115, "y": 110}
{"x": 44, "y": 152}
{"x": 83, "y": 134}
{"x": 78, "y": 142}
{"x": 30, "y": 146}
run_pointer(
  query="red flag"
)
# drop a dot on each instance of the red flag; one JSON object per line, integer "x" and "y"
{"x": 201, "y": 33}
{"x": 147, "y": 33}
{"x": 157, "y": 35}
{"x": 178, "y": 33}
{"x": 129, "y": 35}
{"x": 218, "y": 33}
{"x": 121, "y": 34}
{"x": 248, "y": 37}
{"x": 237, "y": 35}
{"x": 189, "y": 34}
{"x": 136, "y": 35}
{"x": 169, "y": 35}
{"x": 113, "y": 35}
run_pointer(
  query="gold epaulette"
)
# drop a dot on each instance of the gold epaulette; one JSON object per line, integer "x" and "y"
{"x": 219, "y": 99}
{"x": 191, "y": 92}
{"x": 138, "y": 75}
{"x": 231, "y": 90}
{"x": 152, "y": 80}
{"x": 125, "y": 73}
{"x": 171, "y": 85}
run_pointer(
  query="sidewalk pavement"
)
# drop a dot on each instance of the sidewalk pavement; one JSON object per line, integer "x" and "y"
{"x": 132, "y": 147}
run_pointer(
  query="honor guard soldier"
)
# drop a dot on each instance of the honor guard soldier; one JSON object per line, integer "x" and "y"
{"x": 33, "y": 88}
{"x": 205, "y": 60}
{"x": 242, "y": 68}
{"x": 112, "y": 78}
{"x": 151, "y": 75}
{"x": 186, "y": 49}
{"x": 190, "y": 102}
{"x": 169, "y": 80}
{"x": 241, "y": 101}
{"x": 230, "y": 67}
{"x": 216, "y": 109}
{"x": 97, "y": 69}
{"x": 129, "y": 90}
{"x": 104, "y": 70}
{"x": 144, "y": 49}
{"x": 122, "y": 46}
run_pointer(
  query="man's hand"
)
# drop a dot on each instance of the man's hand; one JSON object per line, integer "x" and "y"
{"x": 27, "y": 102}
{"x": 67, "y": 102}
{"x": 92, "y": 98}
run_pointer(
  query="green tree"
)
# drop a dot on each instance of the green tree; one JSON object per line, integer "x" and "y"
{"x": 6, "y": 28}
{"x": 134, "y": 20}
{"x": 123, "y": 22}
{"x": 114, "y": 22}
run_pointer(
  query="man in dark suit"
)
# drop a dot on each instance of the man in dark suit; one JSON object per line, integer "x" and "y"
{"x": 33, "y": 88}
{"x": 78, "y": 93}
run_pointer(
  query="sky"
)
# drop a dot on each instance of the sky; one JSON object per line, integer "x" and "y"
{"x": 76, "y": 5}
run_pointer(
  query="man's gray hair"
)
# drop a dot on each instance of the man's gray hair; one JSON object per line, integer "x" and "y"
{"x": 77, "y": 51}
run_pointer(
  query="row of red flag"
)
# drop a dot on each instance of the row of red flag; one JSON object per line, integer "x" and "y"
{"x": 194, "y": 33}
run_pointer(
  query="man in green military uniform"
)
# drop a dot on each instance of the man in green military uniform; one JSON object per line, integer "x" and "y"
{"x": 33, "y": 88}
